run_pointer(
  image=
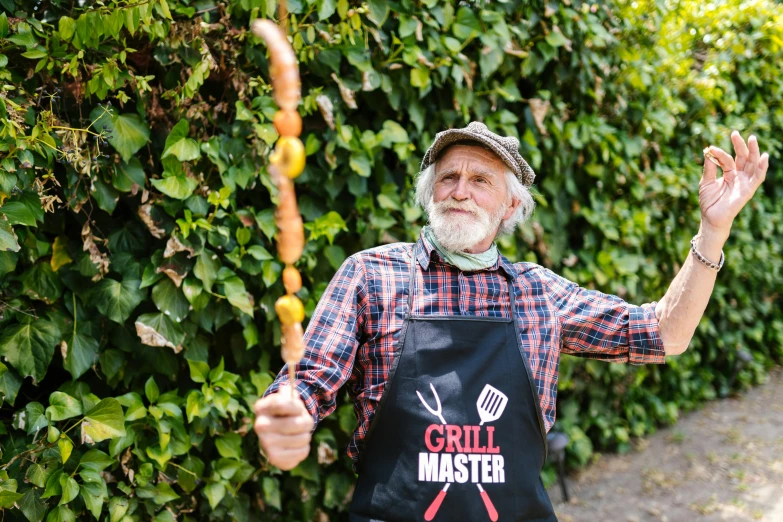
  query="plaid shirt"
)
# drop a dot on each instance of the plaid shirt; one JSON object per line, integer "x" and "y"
{"x": 353, "y": 334}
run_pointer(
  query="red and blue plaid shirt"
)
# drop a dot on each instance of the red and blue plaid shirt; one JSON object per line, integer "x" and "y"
{"x": 353, "y": 334}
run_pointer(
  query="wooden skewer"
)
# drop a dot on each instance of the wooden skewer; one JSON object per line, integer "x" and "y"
{"x": 287, "y": 162}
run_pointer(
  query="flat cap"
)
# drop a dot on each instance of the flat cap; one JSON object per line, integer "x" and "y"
{"x": 506, "y": 148}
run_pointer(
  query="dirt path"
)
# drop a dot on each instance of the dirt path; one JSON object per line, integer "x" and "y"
{"x": 724, "y": 462}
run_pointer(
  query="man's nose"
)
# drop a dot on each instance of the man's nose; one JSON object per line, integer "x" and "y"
{"x": 461, "y": 190}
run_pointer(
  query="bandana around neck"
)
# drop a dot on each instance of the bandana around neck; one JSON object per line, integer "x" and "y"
{"x": 465, "y": 261}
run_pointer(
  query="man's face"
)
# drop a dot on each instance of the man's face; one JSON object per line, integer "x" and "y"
{"x": 470, "y": 198}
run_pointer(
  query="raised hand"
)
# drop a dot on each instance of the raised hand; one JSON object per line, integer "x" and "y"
{"x": 721, "y": 199}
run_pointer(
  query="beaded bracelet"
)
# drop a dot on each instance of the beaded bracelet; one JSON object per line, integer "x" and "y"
{"x": 698, "y": 255}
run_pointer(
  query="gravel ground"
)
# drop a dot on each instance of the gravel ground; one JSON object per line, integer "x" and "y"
{"x": 724, "y": 462}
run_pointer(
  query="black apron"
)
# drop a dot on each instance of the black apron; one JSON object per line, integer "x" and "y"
{"x": 458, "y": 434}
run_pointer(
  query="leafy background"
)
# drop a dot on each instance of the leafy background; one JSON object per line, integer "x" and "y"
{"x": 137, "y": 268}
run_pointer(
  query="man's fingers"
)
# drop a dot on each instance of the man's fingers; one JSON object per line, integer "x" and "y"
{"x": 753, "y": 157}
{"x": 279, "y": 441}
{"x": 727, "y": 164}
{"x": 287, "y": 459}
{"x": 709, "y": 172}
{"x": 740, "y": 149}
{"x": 283, "y": 425}
{"x": 761, "y": 171}
{"x": 280, "y": 404}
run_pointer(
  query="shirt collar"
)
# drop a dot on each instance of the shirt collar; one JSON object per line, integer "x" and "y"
{"x": 425, "y": 252}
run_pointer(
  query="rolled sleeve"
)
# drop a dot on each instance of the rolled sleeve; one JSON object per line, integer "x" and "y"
{"x": 602, "y": 326}
{"x": 645, "y": 343}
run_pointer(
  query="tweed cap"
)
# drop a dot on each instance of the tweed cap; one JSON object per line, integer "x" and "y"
{"x": 506, "y": 148}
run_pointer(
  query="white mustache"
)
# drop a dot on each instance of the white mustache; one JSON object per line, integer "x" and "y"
{"x": 465, "y": 206}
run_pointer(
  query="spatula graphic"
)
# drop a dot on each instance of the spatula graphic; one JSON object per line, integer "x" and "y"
{"x": 491, "y": 404}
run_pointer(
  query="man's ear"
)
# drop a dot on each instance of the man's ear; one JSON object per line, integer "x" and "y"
{"x": 512, "y": 208}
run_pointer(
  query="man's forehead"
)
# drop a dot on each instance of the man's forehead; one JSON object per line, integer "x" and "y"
{"x": 458, "y": 154}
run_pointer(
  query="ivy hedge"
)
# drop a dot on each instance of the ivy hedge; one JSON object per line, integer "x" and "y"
{"x": 137, "y": 258}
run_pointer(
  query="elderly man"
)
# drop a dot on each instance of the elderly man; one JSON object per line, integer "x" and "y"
{"x": 450, "y": 351}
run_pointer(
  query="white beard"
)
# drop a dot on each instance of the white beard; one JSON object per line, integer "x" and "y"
{"x": 461, "y": 232}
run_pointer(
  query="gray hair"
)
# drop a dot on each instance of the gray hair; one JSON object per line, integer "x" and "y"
{"x": 516, "y": 190}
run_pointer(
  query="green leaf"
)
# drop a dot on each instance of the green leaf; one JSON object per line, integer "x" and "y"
{"x": 95, "y": 460}
{"x": 178, "y": 144}
{"x": 164, "y": 8}
{"x": 61, "y": 514}
{"x": 170, "y": 300}
{"x": 65, "y": 445}
{"x": 328, "y": 225}
{"x": 214, "y": 492}
{"x": 9, "y": 384}
{"x": 9, "y": 498}
{"x": 271, "y": 487}
{"x": 38, "y": 475}
{"x": 159, "y": 455}
{"x": 70, "y": 488}
{"x": 379, "y": 10}
{"x": 31, "y": 505}
{"x": 105, "y": 195}
{"x": 66, "y": 27}
{"x": 25, "y": 210}
{"x": 129, "y": 134}
{"x": 270, "y": 272}
{"x": 420, "y": 77}
{"x": 34, "y": 418}
{"x": 265, "y": 220}
{"x": 35, "y": 54}
{"x": 41, "y": 283}
{"x": 229, "y": 445}
{"x": 393, "y": 132}
{"x": 53, "y": 487}
{"x": 118, "y": 506}
{"x": 124, "y": 175}
{"x": 151, "y": 390}
{"x": 187, "y": 481}
{"x": 237, "y": 294}
{"x": 93, "y": 503}
{"x": 3, "y": 25}
{"x": 466, "y": 25}
{"x": 134, "y": 407}
{"x": 29, "y": 347}
{"x": 360, "y": 164}
{"x": 8, "y": 240}
{"x": 82, "y": 352}
{"x": 326, "y": 9}
{"x": 193, "y": 291}
{"x": 164, "y": 493}
{"x": 198, "y": 371}
{"x": 556, "y": 39}
{"x": 60, "y": 256}
{"x": 117, "y": 300}
{"x": 491, "y": 61}
{"x": 177, "y": 187}
{"x": 206, "y": 268}
{"x": 159, "y": 330}
{"x": 104, "y": 421}
{"x": 62, "y": 406}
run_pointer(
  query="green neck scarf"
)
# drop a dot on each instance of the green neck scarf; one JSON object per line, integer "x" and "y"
{"x": 464, "y": 260}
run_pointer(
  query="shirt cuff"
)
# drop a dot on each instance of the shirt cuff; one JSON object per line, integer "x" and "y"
{"x": 281, "y": 385}
{"x": 645, "y": 345}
